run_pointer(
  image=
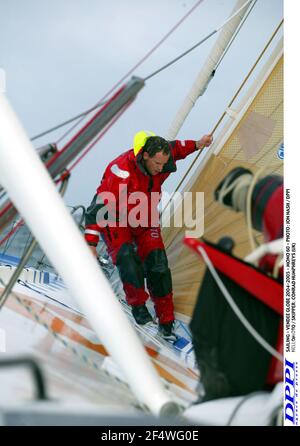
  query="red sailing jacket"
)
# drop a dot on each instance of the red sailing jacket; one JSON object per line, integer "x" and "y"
{"x": 128, "y": 174}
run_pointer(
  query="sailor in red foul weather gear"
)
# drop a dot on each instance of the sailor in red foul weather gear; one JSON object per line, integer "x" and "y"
{"x": 137, "y": 249}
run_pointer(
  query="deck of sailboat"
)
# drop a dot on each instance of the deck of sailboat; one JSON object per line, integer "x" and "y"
{"x": 42, "y": 319}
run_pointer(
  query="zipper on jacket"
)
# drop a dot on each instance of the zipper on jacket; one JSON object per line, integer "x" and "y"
{"x": 150, "y": 185}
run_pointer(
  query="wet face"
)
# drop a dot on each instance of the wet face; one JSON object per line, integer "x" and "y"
{"x": 155, "y": 164}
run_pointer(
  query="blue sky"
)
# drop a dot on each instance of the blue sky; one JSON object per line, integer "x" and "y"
{"x": 61, "y": 57}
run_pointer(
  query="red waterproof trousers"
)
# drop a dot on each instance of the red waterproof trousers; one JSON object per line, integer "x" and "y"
{"x": 139, "y": 253}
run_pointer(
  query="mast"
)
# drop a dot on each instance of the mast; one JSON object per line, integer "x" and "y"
{"x": 207, "y": 72}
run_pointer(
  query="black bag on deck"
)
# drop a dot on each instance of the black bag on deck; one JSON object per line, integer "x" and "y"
{"x": 230, "y": 360}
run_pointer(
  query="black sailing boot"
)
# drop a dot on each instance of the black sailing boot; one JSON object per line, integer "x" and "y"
{"x": 166, "y": 331}
{"x": 141, "y": 314}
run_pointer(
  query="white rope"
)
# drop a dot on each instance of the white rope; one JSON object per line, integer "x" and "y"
{"x": 236, "y": 309}
{"x": 273, "y": 247}
{"x": 278, "y": 264}
{"x": 240, "y": 183}
{"x": 233, "y": 15}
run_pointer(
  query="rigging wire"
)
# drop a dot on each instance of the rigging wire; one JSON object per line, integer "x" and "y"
{"x": 12, "y": 231}
{"x": 197, "y": 44}
{"x": 142, "y": 60}
{"x": 85, "y": 113}
{"x": 8, "y": 240}
{"x": 101, "y": 102}
{"x": 113, "y": 121}
{"x": 27, "y": 253}
{"x": 180, "y": 56}
{"x": 225, "y": 112}
{"x": 236, "y": 33}
{"x": 249, "y": 74}
{"x": 69, "y": 121}
{"x": 41, "y": 262}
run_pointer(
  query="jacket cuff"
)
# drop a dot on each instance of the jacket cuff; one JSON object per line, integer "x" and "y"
{"x": 92, "y": 235}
